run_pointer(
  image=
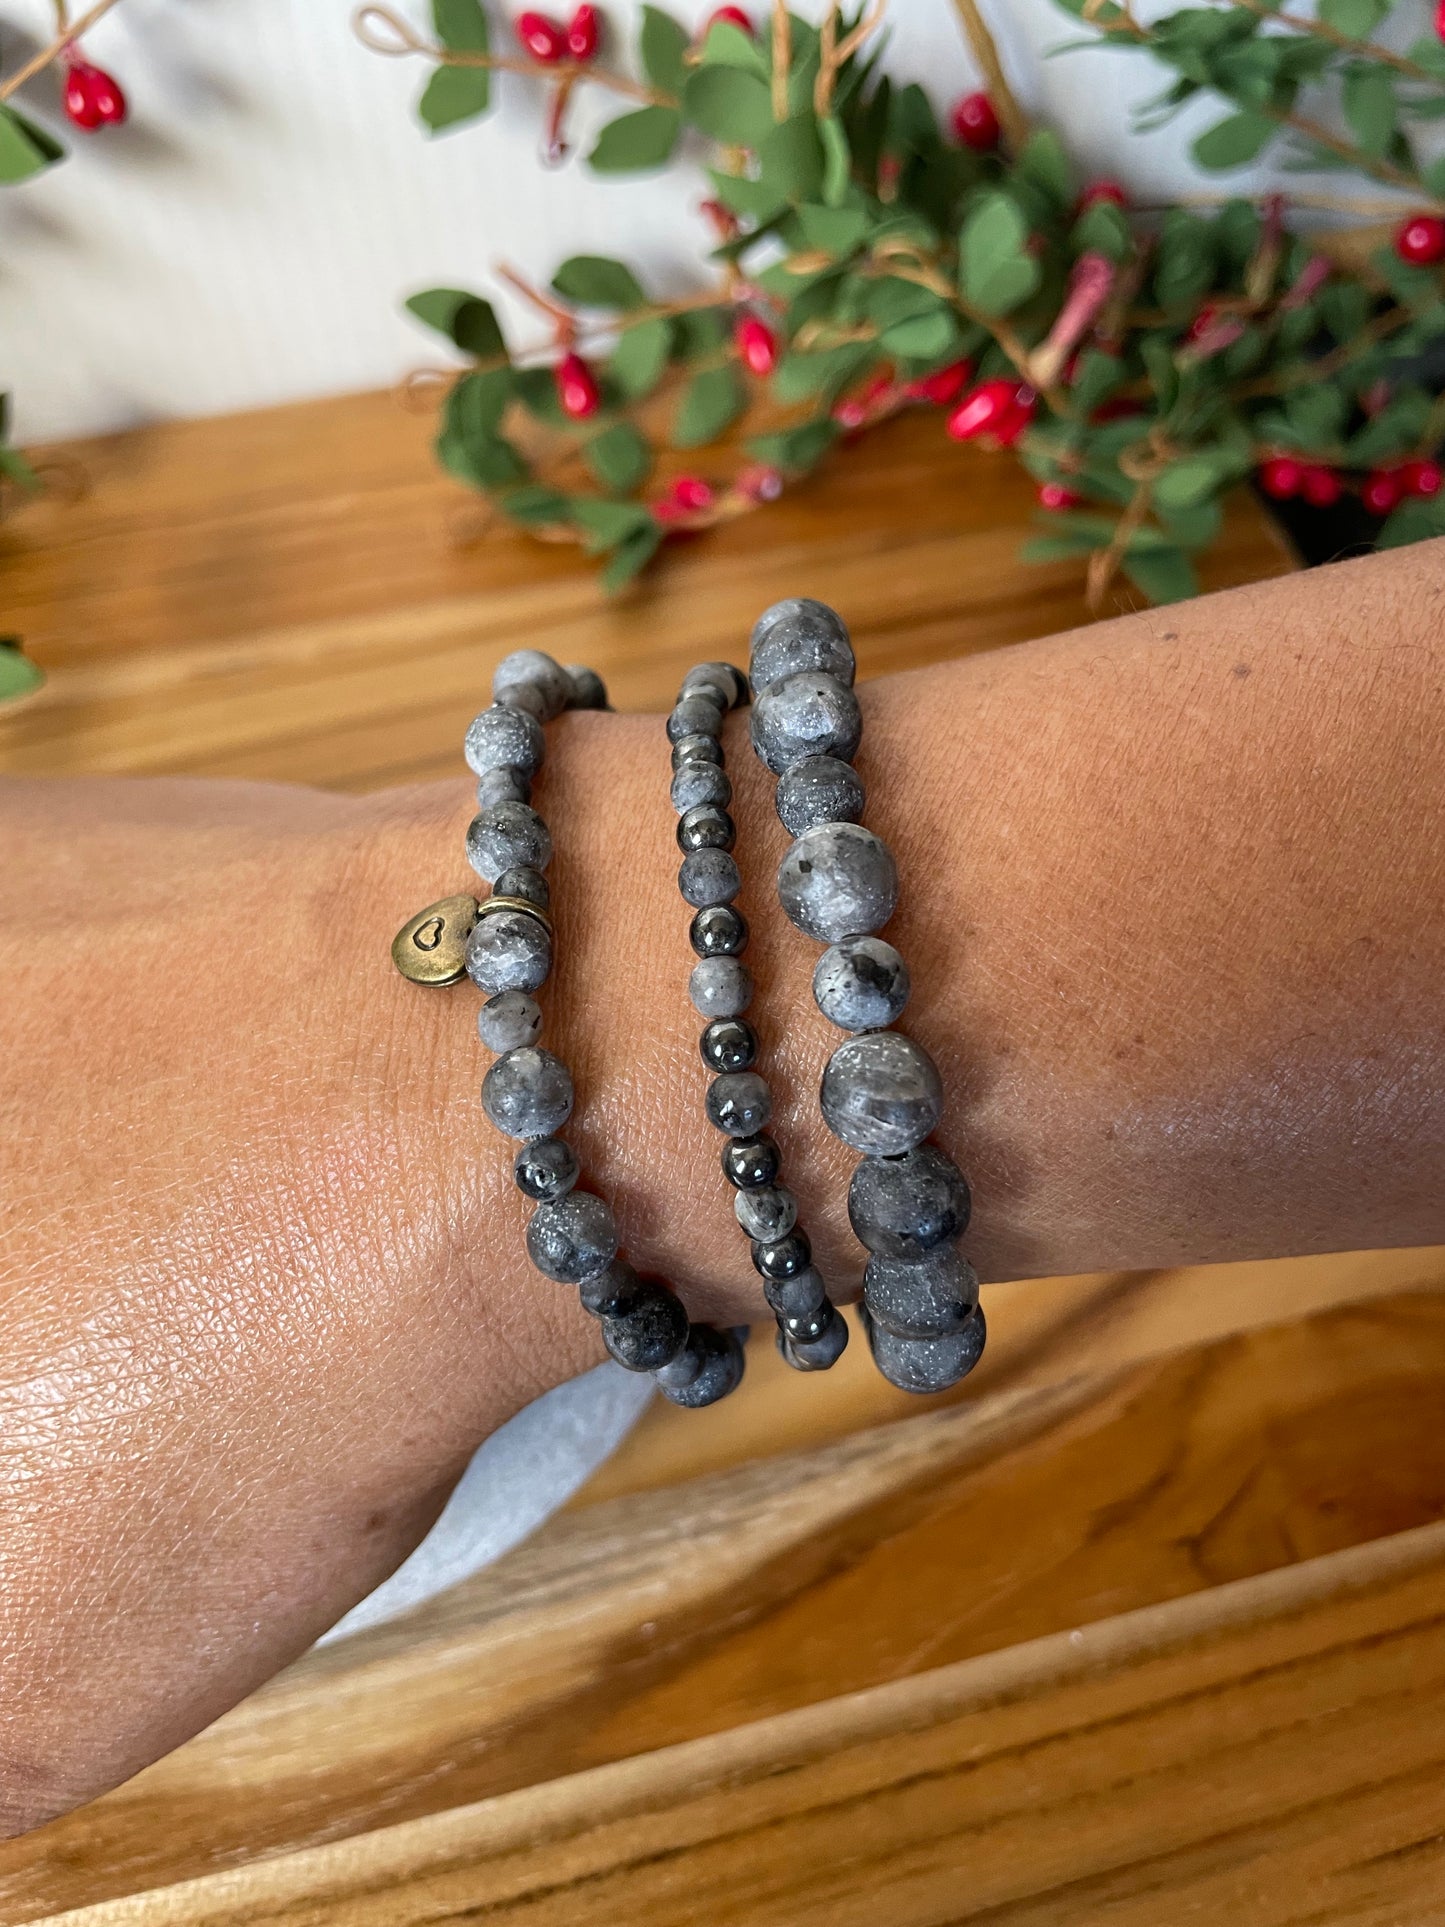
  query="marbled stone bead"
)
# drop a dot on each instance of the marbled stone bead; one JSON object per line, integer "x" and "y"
{"x": 505, "y": 837}
{"x": 695, "y": 715}
{"x": 902, "y": 1207}
{"x": 928, "y": 1364}
{"x": 720, "y": 1371}
{"x": 861, "y": 984}
{"x": 728, "y": 1044}
{"x": 804, "y": 716}
{"x": 503, "y": 785}
{"x": 505, "y": 739}
{"x": 819, "y": 789}
{"x": 588, "y": 689}
{"x": 545, "y": 1169}
{"x": 572, "y": 1237}
{"x": 748, "y": 1162}
{"x": 799, "y": 633}
{"x": 707, "y": 877}
{"x": 721, "y": 930}
{"x": 720, "y": 987}
{"x": 881, "y": 1093}
{"x": 837, "y": 881}
{"x": 679, "y": 1372}
{"x": 727, "y": 686}
{"x": 802, "y": 1296}
{"x": 610, "y": 1293}
{"x": 696, "y": 749}
{"x": 509, "y": 950}
{"x": 927, "y": 1297}
{"x": 782, "y": 1257}
{"x": 739, "y": 1102}
{"x": 767, "y": 1212}
{"x": 706, "y": 826}
{"x": 528, "y": 1093}
{"x": 810, "y": 1350}
{"x": 534, "y": 670}
{"x": 651, "y": 1332}
{"x": 695, "y": 783}
{"x": 509, "y": 1021}
{"x": 528, "y": 884}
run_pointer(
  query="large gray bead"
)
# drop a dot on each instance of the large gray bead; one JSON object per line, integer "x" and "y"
{"x": 528, "y": 1093}
{"x": 695, "y": 783}
{"x": 708, "y": 876}
{"x": 838, "y": 881}
{"x": 767, "y": 1213}
{"x": 806, "y": 715}
{"x": 721, "y": 1362}
{"x": 533, "y": 669}
{"x": 508, "y": 836}
{"x": 505, "y": 739}
{"x": 818, "y": 1354}
{"x": 881, "y": 1093}
{"x": 902, "y": 1207}
{"x": 720, "y": 987}
{"x": 588, "y": 689}
{"x": 820, "y": 789}
{"x": 927, "y": 1297}
{"x": 503, "y": 785}
{"x": 572, "y": 1237}
{"x": 651, "y": 1333}
{"x": 799, "y": 633}
{"x": 509, "y": 950}
{"x": 509, "y": 1021}
{"x": 928, "y": 1364}
{"x": 861, "y": 984}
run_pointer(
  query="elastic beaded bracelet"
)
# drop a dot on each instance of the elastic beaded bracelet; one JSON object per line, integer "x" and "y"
{"x": 504, "y": 943}
{"x": 881, "y": 1093}
{"x": 812, "y": 1333}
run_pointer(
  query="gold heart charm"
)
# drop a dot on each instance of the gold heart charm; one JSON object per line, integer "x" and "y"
{"x": 431, "y": 947}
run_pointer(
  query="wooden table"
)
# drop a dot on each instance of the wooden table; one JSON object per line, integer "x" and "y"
{"x": 1142, "y": 1625}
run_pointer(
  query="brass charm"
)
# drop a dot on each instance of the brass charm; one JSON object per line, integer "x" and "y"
{"x": 527, "y": 908}
{"x": 431, "y": 948}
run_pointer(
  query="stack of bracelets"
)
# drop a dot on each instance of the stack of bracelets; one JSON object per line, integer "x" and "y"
{"x": 907, "y": 1201}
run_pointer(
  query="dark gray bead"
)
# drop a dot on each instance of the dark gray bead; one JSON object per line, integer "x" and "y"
{"x": 901, "y": 1207}
{"x": 588, "y": 689}
{"x": 720, "y": 987}
{"x": 881, "y": 1093}
{"x": 505, "y": 739}
{"x": 817, "y": 1351}
{"x": 545, "y": 1169}
{"x": 528, "y": 1093}
{"x": 530, "y": 885}
{"x": 801, "y": 1296}
{"x": 727, "y": 686}
{"x": 838, "y": 881}
{"x": 728, "y": 1044}
{"x": 928, "y": 1364}
{"x": 509, "y": 950}
{"x": 721, "y": 1362}
{"x": 651, "y": 1332}
{"x": 707, "y": 877}
{"x": 534, "y": 670}
{"x": 706, "y": 826}
{"x": 927, "y": 1297}
{"x": 807, "y": 715}
{"x": 509, "y": 1021}
{"x": 783, "y": 1257}
{"x": 572, "y": 1237}
{"x": 799, "y": 633}
{"x": 679, "y": 1372}
{"x": 767, "y": 1212}
{"x": 718, "y": 931}
{"x": 739, "y": 1102}
{"x": 861, "y": 984}
{"x": 696, "y": 749}
{"x": 610, "y": 1293}
{"x": 525, "y": 695}
{"x": 504, "y": 785}
{"x": 507, "y": 836}
{"x": 695, "y": 715}
{"x": 694, "y": 783}
{"x": 750, "y": 1161}
{"x": 820, "y": 789}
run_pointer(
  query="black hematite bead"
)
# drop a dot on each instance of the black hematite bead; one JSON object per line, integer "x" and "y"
{"x": 809, "y": 1325}
{"x": 748, "y": 1162}
{"x": 696, "y": 749}
{"x": 719, "y": 931}
{"x": 728, "y": 1044}
{"x": 705, "y": 827}
{"x": 786, "y": 1258}
{"x": 545, "y": 1169}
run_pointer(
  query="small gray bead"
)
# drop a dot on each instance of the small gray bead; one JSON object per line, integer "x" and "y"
{"x": 509, "y": 1021}
{"x": 881, "y": 1093}
{"x": 545, "y": 1169}
{"x": 651, "y": 1333}
{"x": 695, "y": 783}
{"x": 765, "y": 1214}
{"x": 694, "y": 715}
{"x": 509, "y": 950}
{"x": 505, "y": 739}
{"x": 696, "y": 749}
{"x": 588, "y": 689}
{"x": 739, "y": 1102}
{"x": 708, "y": 876}
{"x": 820, "y": 789}
{"x": 928, "y": 1364}
{"x": 524, "y": 695}
{"x": 720, "y": 987}
{"x": 505, "y": 837}
{"x": 820, "y": 1353}
{"x": 838, "y": 881}
{"x": 532, "y": 669}
{"x": 902, "y": 1207}
{"x": 806, "y": 715}
{"x": 722, "y": 1361}
{"x": 727, "y": 686}
{"x": 799, "y": 633}
{"x": 861, "y": 984}
{"x": 610, "y": 1293}
{"x": 503, "y": 785}
{"x": 529, "y": 885}
{"x": 528, "y": 1093}
{"x": 928, "y": 1297}
{"x": 801, "y": 1296}
{"x": 572, "y": 1237}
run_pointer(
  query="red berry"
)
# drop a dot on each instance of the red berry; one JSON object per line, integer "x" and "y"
{"x": 543, "y": 39}
{"x": 584, "y": 30}
{"x": 1421, "y": 240}
{"x": 756, "y": 343}
{"x": 81, "y": 104}
{"x": 761, "y": 484}
{"x": 1420, "y": 478}
{"x": 1320, "y": 486}
{"x": 1054, "y": 496}
{"x": 692, "y": 494}
{"x": 975, "y": 124}
{"x": 1001, "y": 409}
{"x": 105, "y": 92}
{"x": 1202, "y": 323}
{"x": 1382, "y": 490}
{"x": 730, "y": 16}
{"x": 1107, "y": 190}
{"x": 1281, "y": 476}
{"x": 943, "y": 385}
{"x": 850, "y": 413}
{"x": 577, "y": 388}
{"x": 1440, "y": 20}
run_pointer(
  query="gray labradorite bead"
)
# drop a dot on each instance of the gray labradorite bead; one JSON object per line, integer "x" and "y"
{"x": 509, "y": 950}
{"x": 861, "y": 984}
{"x": 902, "y": 1207}
{"x": 530, "y": 885}
{"x": 505, "y": 739}
{"x": 767, "y": 1213}
{"x": 545, "y": 1169}
{"x": 706, "y": 877}
{"x": 838, "y": 881}
{"x": 799, "y": 633}
{"x": 509, "y": 1021}
{"x": 695, "y": 715}
{"x": 697, "y": 783}
{"x": 507, "y": 836}
{"x": 532, "y": 669}
{"x": 651, "y": 1332}
{"x": 820, "y": 1353}
{"x": 504, "y": 785}
{"x": 588, "y": 689}
{"x": 609, "y": 1293}
{"x": 928, "y": 1297}
{"x": 739, "y": 1102}
{"x": 572, "y": 1237}
{"x": 807, "y": 715}
{"x": 801, "y": 1296}
{"x": 820, "y": 789}
{"x": 881, "y": 1093}
{"x": 928, "y": 1364}
{"x": 721, "y": 1360}
{"x": 720, "y": 987}
{"x": 528, "y": 1093}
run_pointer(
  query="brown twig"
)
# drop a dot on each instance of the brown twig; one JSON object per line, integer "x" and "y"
{"x": 1318, "y": 29}
{"x": 782, "y": 58}
{"x": 1104, "y": 563}
{"x": 984, "y": 49}
{"x": 405, "y": 40}
{"x": 835, "y": 55}
{"x": 38, "y": 62}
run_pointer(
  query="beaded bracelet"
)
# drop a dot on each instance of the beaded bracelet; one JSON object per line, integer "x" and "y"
{"x": 881, "y": 1092}
{"x": 812, "y": 1334}
{"x": 504, "y": 943}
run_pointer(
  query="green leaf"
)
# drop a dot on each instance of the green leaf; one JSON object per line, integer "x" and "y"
{"x": 799, "y": 377}
{"x": 533, "y": 503}
{"x": 759, "y": 200}
{"x": 619, "y": 457}
{"x": 1412, "y": 522}
{"x": 790, "y": 158}
{"x": 636, "y": 141}
{"x": 461, "y": 26}
{"x": 728, "y": 46}
{"x": 836, "y": 230}
{"x": 796, "y": 448}
{"x": 1185, "y": 484}
{"x": 1235, "y": 141}
{"x": 640, "y": 356}
{"x": 14, "y": 465}
{"x": 701, "y": 331}
{"x": 18, "y": 675}
{"x": 663, "y": 47}
{"x": 463, "y": 318}
{"x": 713, "y": 401}
{"x": 476, "y": 404}
{"x": 924, "y": 337}
{"x": 1102, "y": 228}
{"x": 1186, "y": 258}
{"x": 25, "y": 149}
{"x": 1357, "y": 19}
{"x": 592, "y": 281}
{"x": 729, "y": 104}
{"x": 454, "y": 95}
{"x": 837, "y": 160}
{"x": 1097, "y": 378}
{"x": 1161, "y": 574}
{"x": 1043, "y": 163}
{"x": 994, "y": 271}
{"x": 1368, "y": 98}
{"x": 608, "y": 523}
{"x": 484, "y": 462}
{"x": 630, "y": 557}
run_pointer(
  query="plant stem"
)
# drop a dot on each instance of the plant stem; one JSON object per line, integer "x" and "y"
{"x": 782, "y": 58}
{"x": 1318, "y": 29}
{"x": 984, "y": 49}
{"x": 405, "y": 40}
{"x": 56, "y": 48}
{"x": 1104, "y": 563}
